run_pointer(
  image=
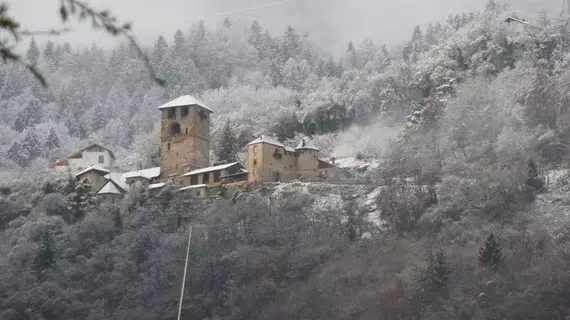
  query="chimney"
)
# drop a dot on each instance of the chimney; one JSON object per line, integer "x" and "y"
{"x": 333, "y": 159}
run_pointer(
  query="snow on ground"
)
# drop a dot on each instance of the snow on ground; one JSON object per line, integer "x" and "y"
{"x": 354, "y": 163}
{"x": 333, "y": 197}
{"x": 552, "y": 207}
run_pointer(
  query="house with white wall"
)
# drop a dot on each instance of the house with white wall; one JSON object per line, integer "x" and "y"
{"x": 92, "y": 155}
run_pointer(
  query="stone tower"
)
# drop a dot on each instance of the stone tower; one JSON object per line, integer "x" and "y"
{"x": 307, "y": 159}
{"x": 184, "y": 136}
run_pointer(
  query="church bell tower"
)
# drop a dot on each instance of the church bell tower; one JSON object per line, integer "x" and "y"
{"x": 184, "y": 136}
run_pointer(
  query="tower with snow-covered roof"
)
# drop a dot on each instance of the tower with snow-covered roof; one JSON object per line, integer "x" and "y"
{"x": 307, "y": 159}
{"x": 184, "y": 136}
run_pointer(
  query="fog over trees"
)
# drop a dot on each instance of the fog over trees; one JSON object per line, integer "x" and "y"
{"x": 467, "y": 117}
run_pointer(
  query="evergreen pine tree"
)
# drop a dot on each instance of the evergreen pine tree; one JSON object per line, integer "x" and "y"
{"x": 226, "y": 151}
{"x": 490, "y": 255}
{"x": 160, "y": 50}
{"x": 29, "y": 116}
{"x": 33, "y": 52}
{"x": 179, "y": 44}
{"x": 45, "y": 257}
{"x": 331, "y": 69}
{"x": 49, "y": 54}
{"x": 31, "y": 144}
{"x": 52, "y": 141}
{"x": 291, "y": 44}
{"x": 19, "y": 154}
{"x": 434, "y": 278}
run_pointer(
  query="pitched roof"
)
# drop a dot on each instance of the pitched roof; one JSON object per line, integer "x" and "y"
{"x": 157, "y": 185}
{"x": 304, "y": 145}
{"x": 186, "y": 100}
{"x": 149, "y": 173}
{"x": 78, "y": 152}
{"x": 323, "y": 164}
{"x": 268, "y": 140}
{"x": 110, "y": 187}
{"x": 521, "y": 21}
{"x": 196, "y": 186}
{"x": 210, "y": 169}
{"x": 93, "y": 168}
{"x": 240, "y": 172}
{"x": 117, "y": 178}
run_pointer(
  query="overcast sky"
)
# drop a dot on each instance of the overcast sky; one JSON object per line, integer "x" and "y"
{"x": 332, "y": 23}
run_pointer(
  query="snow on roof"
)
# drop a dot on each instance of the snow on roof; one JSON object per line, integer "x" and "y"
{"x": 289, "y": 149}
{"x": 186, "y": 100}
{"x": 96, "y": 168}
{"x": 210, "y": 169}
{"x": 238, "y": 173}
{"x": 149, "y": 173}
{"x": 117, "y": 178}
{"x": 110, "y": 187}
{"x": 522, "y": 21}
{"x": 91, "y": 145}
{"x": 304, "y": 145}
{"x": 268, "y": 140}
{"x": 196, "y": 186}
{"x": 156, "y": 185}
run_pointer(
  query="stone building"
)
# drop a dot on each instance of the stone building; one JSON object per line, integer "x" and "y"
{"x": 269, "y": 160}
{"x": 93, "y": 176}
{"x": 184, "y": 137}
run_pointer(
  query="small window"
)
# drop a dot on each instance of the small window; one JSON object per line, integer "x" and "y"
{"x": 171, "y": 113}
{"x": 186, "y": 131}
{"x": 101, "y": 159}
{"x": 184, "y": 111}
{"x": 254, "y": 162}
{"x": 168, "y": 146}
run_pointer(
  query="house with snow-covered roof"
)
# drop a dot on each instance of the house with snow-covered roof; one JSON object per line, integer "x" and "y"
{"x": 269, "y": 160}
{"x": 91, "y": 155}
{"x": 93, "y": 176}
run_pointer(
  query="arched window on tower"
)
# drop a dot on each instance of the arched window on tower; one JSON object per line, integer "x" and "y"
{"x": 175, "y": 129}
{"x": 186, "y": 131}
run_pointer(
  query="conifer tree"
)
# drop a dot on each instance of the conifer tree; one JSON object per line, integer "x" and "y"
{"x": 33, "y": 53}
{"x": 31, "y": 144}
{"x": 45, "y": 257}
{"x": 19, "y": 154}
{"x": 434, "y": 278}
{"x": 29, "y": 116}
{"x": 490, "y": 255}
{"x": 226, "y": 151}
{"x": 160, "y": 50}
{"x": 52, "y": 141}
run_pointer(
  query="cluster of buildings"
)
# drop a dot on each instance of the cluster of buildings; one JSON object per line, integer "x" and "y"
{"x": 185, "y": 161}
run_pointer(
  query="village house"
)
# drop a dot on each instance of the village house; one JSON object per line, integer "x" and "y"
{"x": 112, "y": 190}
{"x": 92, "y": 155}
{"x": 185, "y": 149}
{"x": 93, "y": 176}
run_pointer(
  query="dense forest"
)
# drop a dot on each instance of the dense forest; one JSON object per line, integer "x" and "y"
{"x": 469, "y": 116}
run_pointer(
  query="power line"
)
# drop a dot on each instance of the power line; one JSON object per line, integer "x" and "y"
{"x": 184, "y": 277}
{"x": 261, "y": 6}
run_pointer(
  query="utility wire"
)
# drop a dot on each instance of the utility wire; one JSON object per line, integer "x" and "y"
{"x": 261, "y": 6}
{"x": 184, "y": 277}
